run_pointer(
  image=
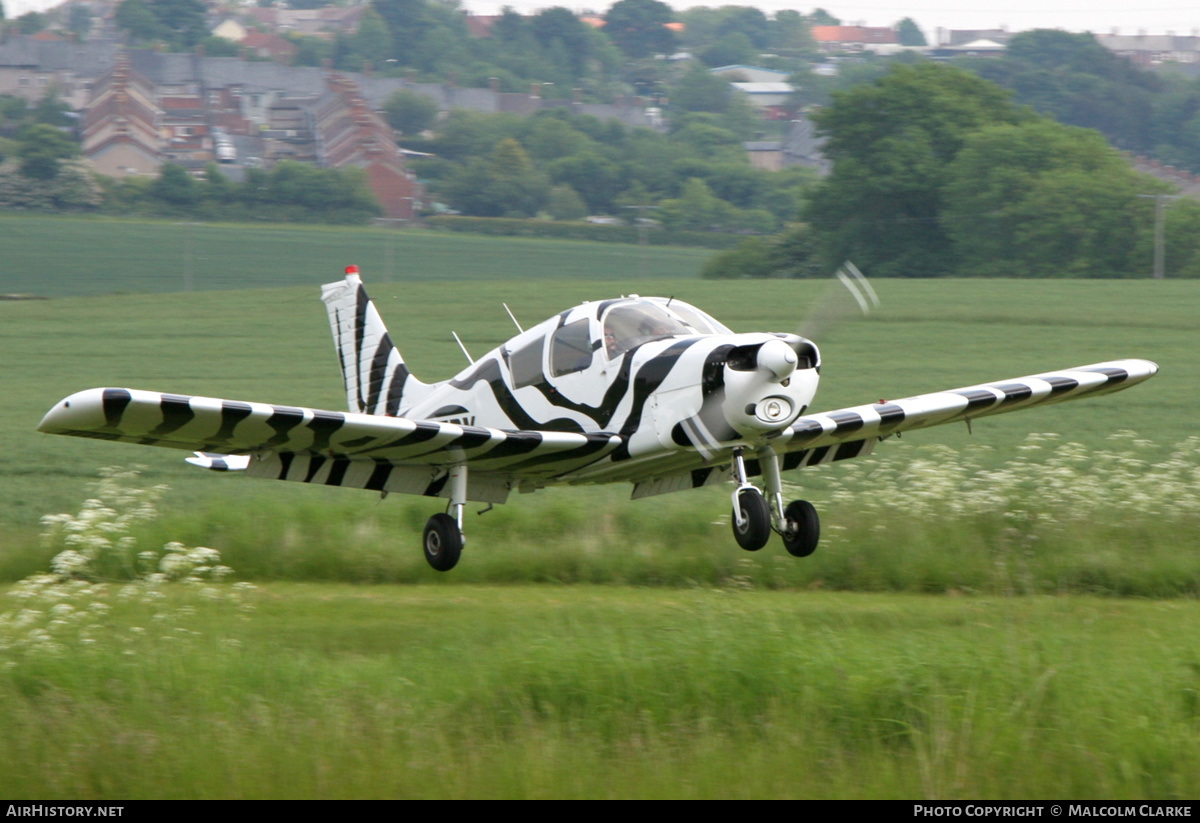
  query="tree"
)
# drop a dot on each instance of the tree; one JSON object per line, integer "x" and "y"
{"x": 409, "y": 112}
{"x": 504, "y": 184}
{"x": 638, "y": 27}
{"x": 179, "y": 23}
{"x": 558, "y": 28}
{"x": 909, "y": 34}
{"x": 31, "y": 22}
{"x": 696, "y": 208}
{"x": 1040, "y": 199}
{"x": 184, "y": 20}
{"x": 1080, "y": 83}
{"x": 891, "y": 143}
{"x": 372, "y": 43}
{"x": 220, "y": 47}
{"x": 135, "y": 17}
{"x": 52, "y": 111}
{"x": 41, "y": 149}
{"x": 566, "y": 204}
{"x": 701, "y": 90}
{"x": 175, "y": 186}
{"x": 731, "y": 49}
{"x": 790, "y": 33}
{"x": 820, "y": 17}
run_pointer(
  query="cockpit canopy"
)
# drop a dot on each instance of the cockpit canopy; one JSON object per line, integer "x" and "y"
{"x": 631, "y": 323}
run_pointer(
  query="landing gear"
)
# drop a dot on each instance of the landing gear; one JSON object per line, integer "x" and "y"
{"x": 756, "y": 514}
{"x": 443, "y": 542}
{"x": 443, "y": 533}
{"x": 802, "y": 528}
{"x": 751, "y": 520}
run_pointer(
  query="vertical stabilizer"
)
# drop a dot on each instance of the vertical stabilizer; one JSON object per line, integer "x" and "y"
{"x": 377, "y": 381}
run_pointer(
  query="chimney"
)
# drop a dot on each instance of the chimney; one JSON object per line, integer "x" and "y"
{"x": 494, "y": 84}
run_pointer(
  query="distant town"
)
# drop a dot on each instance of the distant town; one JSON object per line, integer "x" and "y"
{"x": 155, "y": 82}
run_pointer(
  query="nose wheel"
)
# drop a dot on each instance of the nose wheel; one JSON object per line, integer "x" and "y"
{"x": 751, "y": 519}
{"x": 754, "y": 519}
{"x": 802, "y": 528}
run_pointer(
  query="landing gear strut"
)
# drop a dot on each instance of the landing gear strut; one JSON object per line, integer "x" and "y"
{"x": 755, "y": 515}
{"x": 443, "y": 533}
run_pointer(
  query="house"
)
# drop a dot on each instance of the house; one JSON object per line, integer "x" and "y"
{"x": 770, "y": 99}
{"x": 973, "y": 48}
{"x": 801, "y": 146}
{"x": 349, "y": 133}
{"x": 961, "y": 37}
{"x": 231, "y": 30}
{"x": 1153, "y": 49}
{"x": 121, "y": 124}
{"x": 854, "y": 38}
{"x": 750, "y": 74}
{"x": 269, "y": 46}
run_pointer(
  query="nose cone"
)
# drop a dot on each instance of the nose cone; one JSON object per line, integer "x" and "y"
{"x": 778, "y": 359}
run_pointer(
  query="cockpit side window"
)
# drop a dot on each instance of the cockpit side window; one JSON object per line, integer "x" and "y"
{"x": 631, "y": 324}
{"x": 526, "y": 364}
{"x": 570, "y": 348}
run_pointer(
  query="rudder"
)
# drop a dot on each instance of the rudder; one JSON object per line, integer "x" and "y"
{"x": 377, "y": 380}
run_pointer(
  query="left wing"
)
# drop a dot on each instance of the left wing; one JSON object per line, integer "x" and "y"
{"x": 843, "y": 427}
{"x": 853, "y": 432}
{"x": 326, "y": 447}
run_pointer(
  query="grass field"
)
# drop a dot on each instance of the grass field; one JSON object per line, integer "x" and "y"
{"x": 700, "y": 670}
{"x": 474, "y": 691}
{"x": 58, "y": 257}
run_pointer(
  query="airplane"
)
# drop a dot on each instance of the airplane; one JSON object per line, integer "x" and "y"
{"x": 644, "y": 390}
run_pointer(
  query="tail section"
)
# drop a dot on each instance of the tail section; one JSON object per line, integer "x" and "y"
{"x": 377, "y": 381}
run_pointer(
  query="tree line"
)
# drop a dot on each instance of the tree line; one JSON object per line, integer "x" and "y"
{"x": 565, "y": 166}
{"x": 938, "y": 172}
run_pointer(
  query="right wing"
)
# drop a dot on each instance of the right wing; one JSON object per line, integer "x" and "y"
{"x": 331, "y": 448}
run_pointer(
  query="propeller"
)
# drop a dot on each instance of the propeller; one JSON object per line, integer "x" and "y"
{"x": 760, "y": 387}
{"x": 855, "y": 298}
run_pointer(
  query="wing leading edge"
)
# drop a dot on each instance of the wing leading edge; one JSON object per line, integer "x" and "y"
{"x": 326, "y": 447}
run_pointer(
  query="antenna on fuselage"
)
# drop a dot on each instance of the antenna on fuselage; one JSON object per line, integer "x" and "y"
{"x": 470, "y": 359}
{"x": 512, "y": 318}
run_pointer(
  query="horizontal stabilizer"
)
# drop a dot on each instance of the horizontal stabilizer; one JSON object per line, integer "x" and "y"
{"x": 220, "y": 462}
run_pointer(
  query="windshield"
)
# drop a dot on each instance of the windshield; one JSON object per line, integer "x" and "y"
{"x": 632, "y": 324}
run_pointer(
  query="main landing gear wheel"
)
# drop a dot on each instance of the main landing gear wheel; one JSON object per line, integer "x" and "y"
{"x": 755, "y": 528}
{"x": 803, "y": 528}
{"x": 443, "y": 542}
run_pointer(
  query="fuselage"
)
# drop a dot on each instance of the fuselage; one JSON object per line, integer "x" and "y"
{"x": 659, "y": 372}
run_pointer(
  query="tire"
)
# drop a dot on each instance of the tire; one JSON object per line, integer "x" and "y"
{"x": 803, "y": 528}
{"x": 757, "y": 515}
{"x": 443, "y": 542}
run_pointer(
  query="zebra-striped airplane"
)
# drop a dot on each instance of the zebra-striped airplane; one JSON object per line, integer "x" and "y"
{"x": 644, "y": 390}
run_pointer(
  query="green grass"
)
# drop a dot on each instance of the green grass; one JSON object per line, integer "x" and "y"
{"x": 475, "y": 691}
{"x": 59, "y": 257}
{"x": 700, "y": 670}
